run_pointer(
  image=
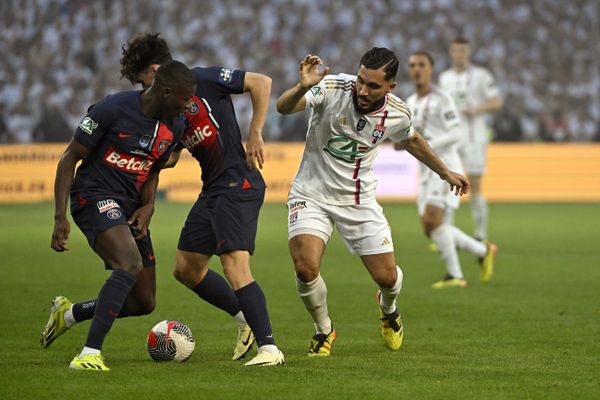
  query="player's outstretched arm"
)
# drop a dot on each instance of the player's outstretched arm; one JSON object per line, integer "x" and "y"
{"x": 65, "y": 170}
{"x": 292, "y": 100}
{"x": 259, "y": 87}
{"x": 419, "y": 148}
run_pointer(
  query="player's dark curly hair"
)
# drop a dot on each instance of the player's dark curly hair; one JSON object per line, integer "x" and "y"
{"x": 379, "y": 57}
{"x": 143, "y": 50}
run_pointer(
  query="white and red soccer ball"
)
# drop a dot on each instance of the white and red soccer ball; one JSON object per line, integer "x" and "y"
{"x": 170, "y": 341}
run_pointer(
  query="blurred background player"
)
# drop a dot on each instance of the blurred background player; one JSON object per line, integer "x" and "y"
{"x": 350, "y": 117}
{"x": 475, "y": 93}
{"x": 435, "y": 116}
{"x": 224, "y": 219}
{"x": 122, "y": 142}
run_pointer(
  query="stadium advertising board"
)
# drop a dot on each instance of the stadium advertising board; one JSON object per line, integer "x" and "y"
{"x": 516, "y": 172}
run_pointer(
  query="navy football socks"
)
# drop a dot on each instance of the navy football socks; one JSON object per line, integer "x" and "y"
{"x": 84, "y": 310}
{"x": 108, "y": 306}
{"x": 215, "y": 290}
{"x": 254, "y": 306}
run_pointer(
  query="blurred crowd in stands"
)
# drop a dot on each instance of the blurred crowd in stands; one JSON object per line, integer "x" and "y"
{"x": 60, "y": 56}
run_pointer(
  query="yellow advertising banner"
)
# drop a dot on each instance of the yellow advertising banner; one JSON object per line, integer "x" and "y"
{"x": 516, "y": 172}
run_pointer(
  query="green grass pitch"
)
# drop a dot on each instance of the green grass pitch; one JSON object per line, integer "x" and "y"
{"x": 533, "y": 332}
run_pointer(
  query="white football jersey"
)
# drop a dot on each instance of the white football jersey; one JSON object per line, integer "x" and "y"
{"x": 341, "y": 144}
{"x": 470, "y": 87}
{"x": 436, "y": 117}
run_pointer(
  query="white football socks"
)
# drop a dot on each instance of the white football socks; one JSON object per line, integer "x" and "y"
{"x": 314, "y": 296}
{"x": 388, "y": 297}
{"x": 68, "y": 317}
{"x": 468, "y": 243}
{"x": 240, "y": 319}
{"x": 479, "y": 211}
{"x": 88, "y": 350}
{"x": 444, "y": 239}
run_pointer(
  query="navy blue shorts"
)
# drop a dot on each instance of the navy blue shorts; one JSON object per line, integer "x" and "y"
{"x": 97, "y": 216}
{"x": 222, "y": 222}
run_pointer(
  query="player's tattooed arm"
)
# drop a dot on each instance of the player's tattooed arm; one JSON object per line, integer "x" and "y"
{"x": 65, "y": 171}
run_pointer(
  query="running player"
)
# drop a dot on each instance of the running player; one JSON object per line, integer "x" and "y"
{"x": 435, "y": 116}
{"x": 351, "y": 116}
{"x": 476, "y": 95}
{"x": 122, "y": 142}
{"x": 223, "y": 221}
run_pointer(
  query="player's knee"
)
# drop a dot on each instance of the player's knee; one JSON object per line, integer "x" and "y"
{"x": 181, "y": 272}
{"x": 147, "y": 305}
{"x": 386, "y": 280}
{"x": 430, "y": 224}
{"x": 134, "y": 267}
{"x": 306, "y": 270}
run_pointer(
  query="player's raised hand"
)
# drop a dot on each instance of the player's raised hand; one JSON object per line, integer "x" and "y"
{"x": 60, "y": 235}
{"x": 140, "y": 220}
{"x": 309, "y": 71}
{"x": 459, "y": 184}
{"x": 255, "y": 151}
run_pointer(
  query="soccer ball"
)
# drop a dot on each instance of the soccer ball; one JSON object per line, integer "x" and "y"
{"x": 170, "y": 340}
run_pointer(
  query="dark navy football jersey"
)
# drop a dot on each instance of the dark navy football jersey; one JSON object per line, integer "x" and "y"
{"x": 213, "y": 135}
{"x": 124, "y": 144}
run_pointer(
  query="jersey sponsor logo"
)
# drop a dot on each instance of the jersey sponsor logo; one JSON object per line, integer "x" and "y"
{"x": 124, "y": 135}
{"x": 449, "y": 115}
{"x": 316, "y": 91}
{"x": 114, "y": 213}
{"x": 226, "y": 75}
{"x": 193, "y": 108}
{"x": 105, "y": 205}
{"x": 361, "y": 124}
{"x": 88, "y": 125}
{"x": 297, "y": 205}
{"x": 127, "y": 163}
{"x": 197, "y": 136}
{"x": 344, "y": 149}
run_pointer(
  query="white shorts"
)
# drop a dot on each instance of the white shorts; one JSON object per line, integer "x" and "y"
{"x": 363, "y": 227}
{"x": 474, "y": 157}
{"x": 435, "y": 192}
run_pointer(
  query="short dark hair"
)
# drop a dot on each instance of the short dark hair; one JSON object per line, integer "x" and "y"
{"x": 379, "y": 57}
{"x": 175, "y": 74}
{"x": 141, "y": 51}
{"x": 426, "y": 55}
{"x": 460, "y": 40}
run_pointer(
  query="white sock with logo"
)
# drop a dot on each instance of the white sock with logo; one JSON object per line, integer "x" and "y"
{"x": 314, "y": 296}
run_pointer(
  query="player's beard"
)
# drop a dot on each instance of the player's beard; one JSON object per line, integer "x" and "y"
{"x": 375, "y": 106}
